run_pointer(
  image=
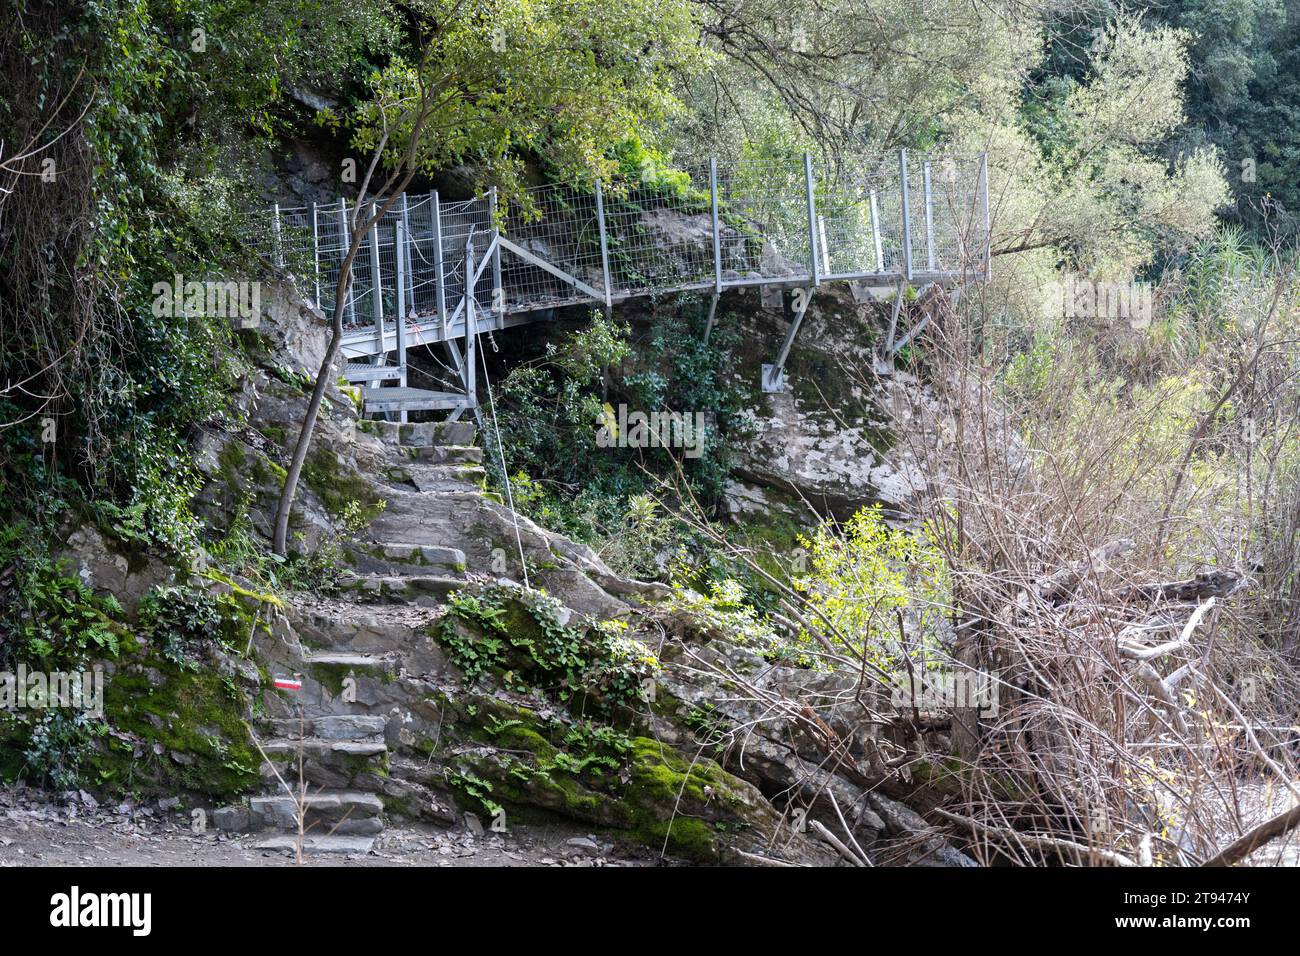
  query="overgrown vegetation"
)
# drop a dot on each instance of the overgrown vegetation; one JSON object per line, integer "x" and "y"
{"x": 550, "y": 410}
{"x": 1111, "y": 520}
{"x": 163, "y": 718}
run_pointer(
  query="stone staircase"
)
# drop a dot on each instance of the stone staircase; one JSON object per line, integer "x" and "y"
{"x": 344, "y": 729}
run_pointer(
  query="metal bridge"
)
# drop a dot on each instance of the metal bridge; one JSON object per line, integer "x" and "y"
{"x": 455, "y": 270}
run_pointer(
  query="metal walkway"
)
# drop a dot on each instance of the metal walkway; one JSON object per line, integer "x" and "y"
{"x": 455, "y": 270}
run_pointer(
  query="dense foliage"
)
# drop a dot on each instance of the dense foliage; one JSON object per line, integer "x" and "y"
{"x": 551, "y": 409}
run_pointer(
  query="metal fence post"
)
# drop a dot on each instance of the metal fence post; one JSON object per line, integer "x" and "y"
{"x": 498, "y": 290}
{"x": 929, "y": 216}
{"x": 875, "y": 232}
{"x": 376, "y": 285}
{"x": 907, "y": 216}
{"x": 277, "y": 248}
{"x": 717, "y": 232}
{"x": 604, "y": 244}
{"x": 315, "y": 251}
{"x": 812, "y": 219}
{"x": 439, "y": 285}
{"x": 404, "y": 249}
{"x": 824, "y": 247}
{"x": 345, "y": 240}
{"x": 399, "y": 243}
{"x": 471, "y": 347}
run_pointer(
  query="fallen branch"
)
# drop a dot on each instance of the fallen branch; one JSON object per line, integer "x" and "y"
{"x": 1209, "y": 584}
{"x": 834, "y": 841}
{"x": 1038, "y": 842}
{"x": 764, "y": 860}
{"x": 1266, "y": 832}
{"x": 1138, "y": 653}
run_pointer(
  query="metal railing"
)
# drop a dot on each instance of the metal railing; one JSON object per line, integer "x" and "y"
{"x": 898, "y": 220}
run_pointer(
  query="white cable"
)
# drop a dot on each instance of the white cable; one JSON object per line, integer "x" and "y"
{"x": 501, "y": 453}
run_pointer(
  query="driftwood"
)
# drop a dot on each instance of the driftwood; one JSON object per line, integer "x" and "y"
{"x": 1062, "y": 583}
{"x": 1266, "y": 832}
{"x": 1216, "y": 584}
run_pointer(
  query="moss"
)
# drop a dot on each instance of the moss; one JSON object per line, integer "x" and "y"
{"x": 505, "y": 754}
{"x": 688, "y": 804}
{"x": 230, "y": 463}
{"x": 249, "y": 598}
{"x": 274, "y": 433}
{"x": 682, "y": 836}
{"x": 774, "y": 540}
{"x": 238, "y": 469}
{"x": 264, "y": 471}
{"x": 198, "y": 716}
{"x": 400, "y": 807}
{"x": 660, "y": 774}
{"x": 343, "y": 492}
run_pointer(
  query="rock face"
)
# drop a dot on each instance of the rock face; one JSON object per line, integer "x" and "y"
{"x": 849, "y": 431}
{"x": 845, "y": 433}
{"x": 108, "y": 571}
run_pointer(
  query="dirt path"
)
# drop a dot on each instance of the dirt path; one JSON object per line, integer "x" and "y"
{"x": 37, "y": 830}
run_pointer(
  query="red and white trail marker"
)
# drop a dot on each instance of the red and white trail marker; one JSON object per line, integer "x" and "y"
{"x": 288, "y": 683}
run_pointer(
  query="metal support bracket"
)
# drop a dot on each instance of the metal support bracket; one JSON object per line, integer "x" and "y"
{"x": 713, "y": 315}
{"x": 895, "y": 347}
{"x": 545, "y": 266}
{"x": 893, "y": 318}
{"x": 774, "y": 373}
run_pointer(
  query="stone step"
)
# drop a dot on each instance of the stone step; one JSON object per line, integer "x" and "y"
{"x": 317, "y": 747}
{"x": 343, "y": 764}
{"x": 421, "y": 434}
{"x": 424, "y": 434}
{"x": 324, "y": 844}
{"x": 353, "y": 812}
{"x": 342, "y": 625}
{"x": 332, "y": 726}
{"x": 446, "y": 477}
{"x": 330, "y": 668}
{"x": 342, "y": 659}
{"x": 447, "y": 454}
{"x": 428, "y": 590}
{"x": 380, "y": 558}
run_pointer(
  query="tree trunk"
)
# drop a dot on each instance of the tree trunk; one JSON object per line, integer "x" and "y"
{"x": 309, "y": 421}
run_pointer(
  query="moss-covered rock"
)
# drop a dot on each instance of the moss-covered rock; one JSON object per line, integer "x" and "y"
{"x": 533, "y": 737}
{"x": 175, "y": 730}
{"x": 345, "y": 494}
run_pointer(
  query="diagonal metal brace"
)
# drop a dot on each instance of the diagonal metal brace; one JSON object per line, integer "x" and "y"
{"x": 554, "y": 270}
{"x": 774, "y": 374}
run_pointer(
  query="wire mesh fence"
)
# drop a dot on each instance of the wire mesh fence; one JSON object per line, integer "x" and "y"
{"x": 753, "y": 222}
{"x": 558, "y": 225}
{"x": 660, "y": 236}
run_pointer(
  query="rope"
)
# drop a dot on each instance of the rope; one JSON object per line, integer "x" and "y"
{"x": 501, "y": 454}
